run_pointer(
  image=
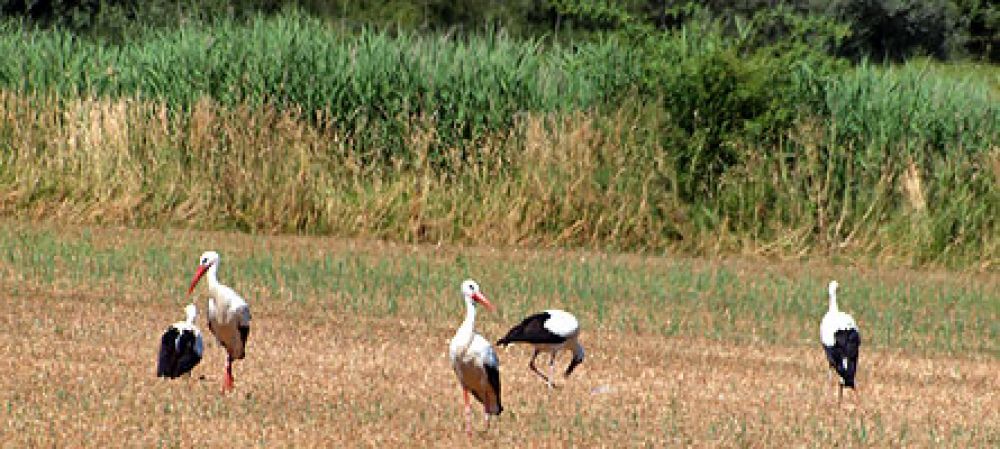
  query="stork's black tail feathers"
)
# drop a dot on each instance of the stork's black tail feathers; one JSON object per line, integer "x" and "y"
{"x": 843, "y": 356}
{"x": 189, "y": 355}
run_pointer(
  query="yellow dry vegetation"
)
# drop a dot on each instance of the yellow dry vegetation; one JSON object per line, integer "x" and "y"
{"x": 79, "y": 360}
{"x": 80, "y": 372}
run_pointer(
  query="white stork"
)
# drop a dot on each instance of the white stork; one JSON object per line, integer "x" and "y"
{"x": 840, "y": 338}
{"x": 181, "y": 347}
{"x": 228, "y": 314}
{"x": 474, "y": 360}
{"x": 549, "y": 331}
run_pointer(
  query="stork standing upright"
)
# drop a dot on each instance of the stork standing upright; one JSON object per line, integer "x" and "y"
{"x": 228, "y": 314}
{"x": 181, "y": 346}
{"x": 550, "y": 331}
{"x": 474, "y": 360}
{"x": 841, "y": 340}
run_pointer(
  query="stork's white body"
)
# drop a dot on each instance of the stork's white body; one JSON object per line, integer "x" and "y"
{"x": 841, "y": 340}
{"x": 562, "y": 323}
{"x": 470, "y": 358}
{"x": 834, "y": 320}
{"x": 228, "y": 314}
{"x": 475, "y": 361}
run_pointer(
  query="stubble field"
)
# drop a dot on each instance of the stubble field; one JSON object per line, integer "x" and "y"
{"x": 349, "y": 347}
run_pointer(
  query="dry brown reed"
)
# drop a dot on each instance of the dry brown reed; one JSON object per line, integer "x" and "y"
{"x": 570, "y": 179}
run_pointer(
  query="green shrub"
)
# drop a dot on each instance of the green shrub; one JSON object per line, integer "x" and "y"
{"x": 717, "y": 94}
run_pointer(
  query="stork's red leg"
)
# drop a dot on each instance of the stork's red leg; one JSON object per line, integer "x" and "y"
{"x": 468, "y": 412}
{"x": 227, "y": 382}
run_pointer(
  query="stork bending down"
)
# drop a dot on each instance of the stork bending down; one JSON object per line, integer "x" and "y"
{"x": 549, "y": 331}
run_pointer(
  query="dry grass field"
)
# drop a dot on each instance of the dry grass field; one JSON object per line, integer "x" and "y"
{"x": 349, "y": 347}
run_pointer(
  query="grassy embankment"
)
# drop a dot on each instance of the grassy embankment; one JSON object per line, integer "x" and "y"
{"x": 288, "y": 126}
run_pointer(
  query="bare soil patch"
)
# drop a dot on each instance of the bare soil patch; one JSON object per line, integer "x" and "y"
{"x": 78, "y": 370}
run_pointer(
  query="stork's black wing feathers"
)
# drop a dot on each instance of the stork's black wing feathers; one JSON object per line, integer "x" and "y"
{"x": 532, "y": 330}
{"x": 166, "y": 365}
{"x": 244, "y": 334}
{"x": 493, "y": 375}
{"x": 178, "y": 355}
{"x": 189, "y": 356}
{"x": 843, "y": 355}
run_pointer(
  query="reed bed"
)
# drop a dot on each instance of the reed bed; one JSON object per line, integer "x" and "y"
{"x": 285, "y": 125}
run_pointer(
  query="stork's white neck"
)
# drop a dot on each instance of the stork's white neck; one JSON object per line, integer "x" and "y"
{"x": 213, "y": 279}
{"x": 467, "y": 329}
{"x": 191, "y": 313}
{"x": 833, "y": 300}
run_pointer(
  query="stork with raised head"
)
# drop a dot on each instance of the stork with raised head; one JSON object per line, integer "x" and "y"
{"x": 228, "y": 314}
{"x": 549, "y": 331}
{"x": 181, "y": 346}
{"x": 474, "y": 360}
{"x": 841, "y": 340}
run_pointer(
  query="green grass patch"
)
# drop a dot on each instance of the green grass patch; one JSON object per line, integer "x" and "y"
{"x": 736, "y": 300}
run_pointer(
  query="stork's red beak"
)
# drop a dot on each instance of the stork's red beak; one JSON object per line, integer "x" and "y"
{"x": 478, "y": 297}
{"x": 197, "y": 277}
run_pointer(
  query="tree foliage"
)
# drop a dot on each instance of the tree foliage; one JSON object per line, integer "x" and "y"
{"x": 879, "y": 29}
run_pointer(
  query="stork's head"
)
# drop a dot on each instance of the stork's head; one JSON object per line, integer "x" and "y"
{"x": 833, "y": 288}
{"x": 208, "y": 259}
{"x": 578, "y": 355}
{"x": 470, "y": 290}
